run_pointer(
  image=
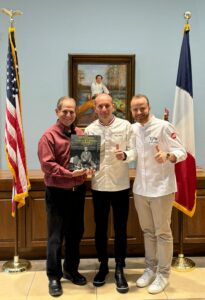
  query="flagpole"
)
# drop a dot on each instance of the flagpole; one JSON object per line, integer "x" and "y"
{"x": 16, "y": 265}
{"x": 182, "y": 263}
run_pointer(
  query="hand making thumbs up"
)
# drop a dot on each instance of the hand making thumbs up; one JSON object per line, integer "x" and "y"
{"x": 120, "y": 155}
{"x": 160, "y": 156}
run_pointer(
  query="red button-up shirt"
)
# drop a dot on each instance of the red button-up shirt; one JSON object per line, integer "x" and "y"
{"x": 54, "y": 157}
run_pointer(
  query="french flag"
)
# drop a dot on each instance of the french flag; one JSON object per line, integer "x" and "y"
{"x": 183, "y": 120}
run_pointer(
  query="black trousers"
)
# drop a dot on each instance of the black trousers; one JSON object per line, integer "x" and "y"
{"x": 103, "y": 201}
{"x": 65, "y": 220}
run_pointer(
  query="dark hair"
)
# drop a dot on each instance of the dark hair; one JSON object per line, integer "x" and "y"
{"x": 98, "y": 76}
{"x": 141, "y": 96}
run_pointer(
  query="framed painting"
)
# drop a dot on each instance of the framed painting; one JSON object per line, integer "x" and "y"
{"x": 117, "y": 73}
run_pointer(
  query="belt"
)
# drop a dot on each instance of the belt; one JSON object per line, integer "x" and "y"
{"x": 73, "y": 189}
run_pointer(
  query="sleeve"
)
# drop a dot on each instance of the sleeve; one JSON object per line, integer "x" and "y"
{"x": 105, "y": 89}
{"x": 86, "y": 131}
{"x": 93, "y": 89}
{"x": 173, "y": 142}
{"x": 48, "y": 160}
{"x": 131, "y": 151}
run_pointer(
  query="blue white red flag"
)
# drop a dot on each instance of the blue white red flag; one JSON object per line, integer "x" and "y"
{"x": 183, "y": 120}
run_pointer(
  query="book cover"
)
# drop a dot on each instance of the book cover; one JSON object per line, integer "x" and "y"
{"x": 85, "y": 152}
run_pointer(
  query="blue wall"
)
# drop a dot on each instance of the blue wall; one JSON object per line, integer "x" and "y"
{"x": 51, "y": 29}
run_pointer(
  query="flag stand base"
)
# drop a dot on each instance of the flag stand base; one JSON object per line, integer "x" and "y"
{"x": 182, "y": 264}
{"x": 16, "y": 265}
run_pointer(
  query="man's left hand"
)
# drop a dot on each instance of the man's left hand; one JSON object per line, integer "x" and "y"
{"x": 160, "y": 156}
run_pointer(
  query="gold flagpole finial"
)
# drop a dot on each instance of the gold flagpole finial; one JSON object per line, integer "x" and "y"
{"x": 187, "y": 16}
{"x": 11, "y": 13}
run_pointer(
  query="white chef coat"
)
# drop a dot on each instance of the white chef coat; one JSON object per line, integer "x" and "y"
{"x": 154, "y": 179}
{"x": 113, "y": 174}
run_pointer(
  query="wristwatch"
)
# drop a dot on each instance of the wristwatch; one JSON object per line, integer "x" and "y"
{"x": 125, "y": 156}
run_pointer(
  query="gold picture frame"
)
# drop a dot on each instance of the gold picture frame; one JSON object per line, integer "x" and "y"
{"x": 118, "y": 73}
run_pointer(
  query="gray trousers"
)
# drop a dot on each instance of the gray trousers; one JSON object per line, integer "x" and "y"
{"x": 155, "y": 217}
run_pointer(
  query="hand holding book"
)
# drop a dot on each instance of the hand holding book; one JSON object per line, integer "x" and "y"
{"x": 79, "y": 172}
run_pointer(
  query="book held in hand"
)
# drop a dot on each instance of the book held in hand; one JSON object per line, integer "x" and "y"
{"x": 85, "y": 152}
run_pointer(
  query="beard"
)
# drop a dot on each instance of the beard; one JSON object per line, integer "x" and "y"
{"x": 142, "y": 119}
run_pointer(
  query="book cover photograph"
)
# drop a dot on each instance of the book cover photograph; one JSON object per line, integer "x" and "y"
{"x": 85, "y": 152}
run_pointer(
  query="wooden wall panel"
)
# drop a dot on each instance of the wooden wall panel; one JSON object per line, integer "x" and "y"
{"x": 33, "y": 229}
{"x": 36, "y": 220}
{"x": 7, "y": 228}
{"x": 89, "y": 230}
{"x": 194, "y": 228}
{"x": 8, "y": 223}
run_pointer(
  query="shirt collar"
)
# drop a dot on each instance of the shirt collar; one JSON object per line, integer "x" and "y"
{"x": 111, "y": 121}
{"x": 61, "y": 126}
{"x": 152, "y": 117}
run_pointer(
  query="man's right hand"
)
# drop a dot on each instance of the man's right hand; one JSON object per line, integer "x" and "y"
{"x": 120, "y": 155}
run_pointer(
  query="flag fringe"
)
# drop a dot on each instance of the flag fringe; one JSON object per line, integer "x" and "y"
{"x": 189, "y": 213}
{"x": 20, "y": 198}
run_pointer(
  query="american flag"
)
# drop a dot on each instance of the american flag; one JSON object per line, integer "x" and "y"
{"x": 14, "y": 137}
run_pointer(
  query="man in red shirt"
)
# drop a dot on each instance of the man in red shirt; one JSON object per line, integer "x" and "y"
{"x": 65, "y": 198}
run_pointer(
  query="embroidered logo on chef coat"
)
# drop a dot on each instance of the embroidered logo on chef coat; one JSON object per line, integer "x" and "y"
{"x": 153, "y": 140}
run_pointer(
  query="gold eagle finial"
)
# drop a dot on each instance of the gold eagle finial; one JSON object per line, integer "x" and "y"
{"x": 11, "y": 13}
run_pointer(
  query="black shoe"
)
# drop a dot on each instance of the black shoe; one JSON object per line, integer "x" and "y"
{"x": 121, "y": 282}
{"x": 55, "y": 289}
{"x": 99, "y": 278}
{"x": 75, "y": 277}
